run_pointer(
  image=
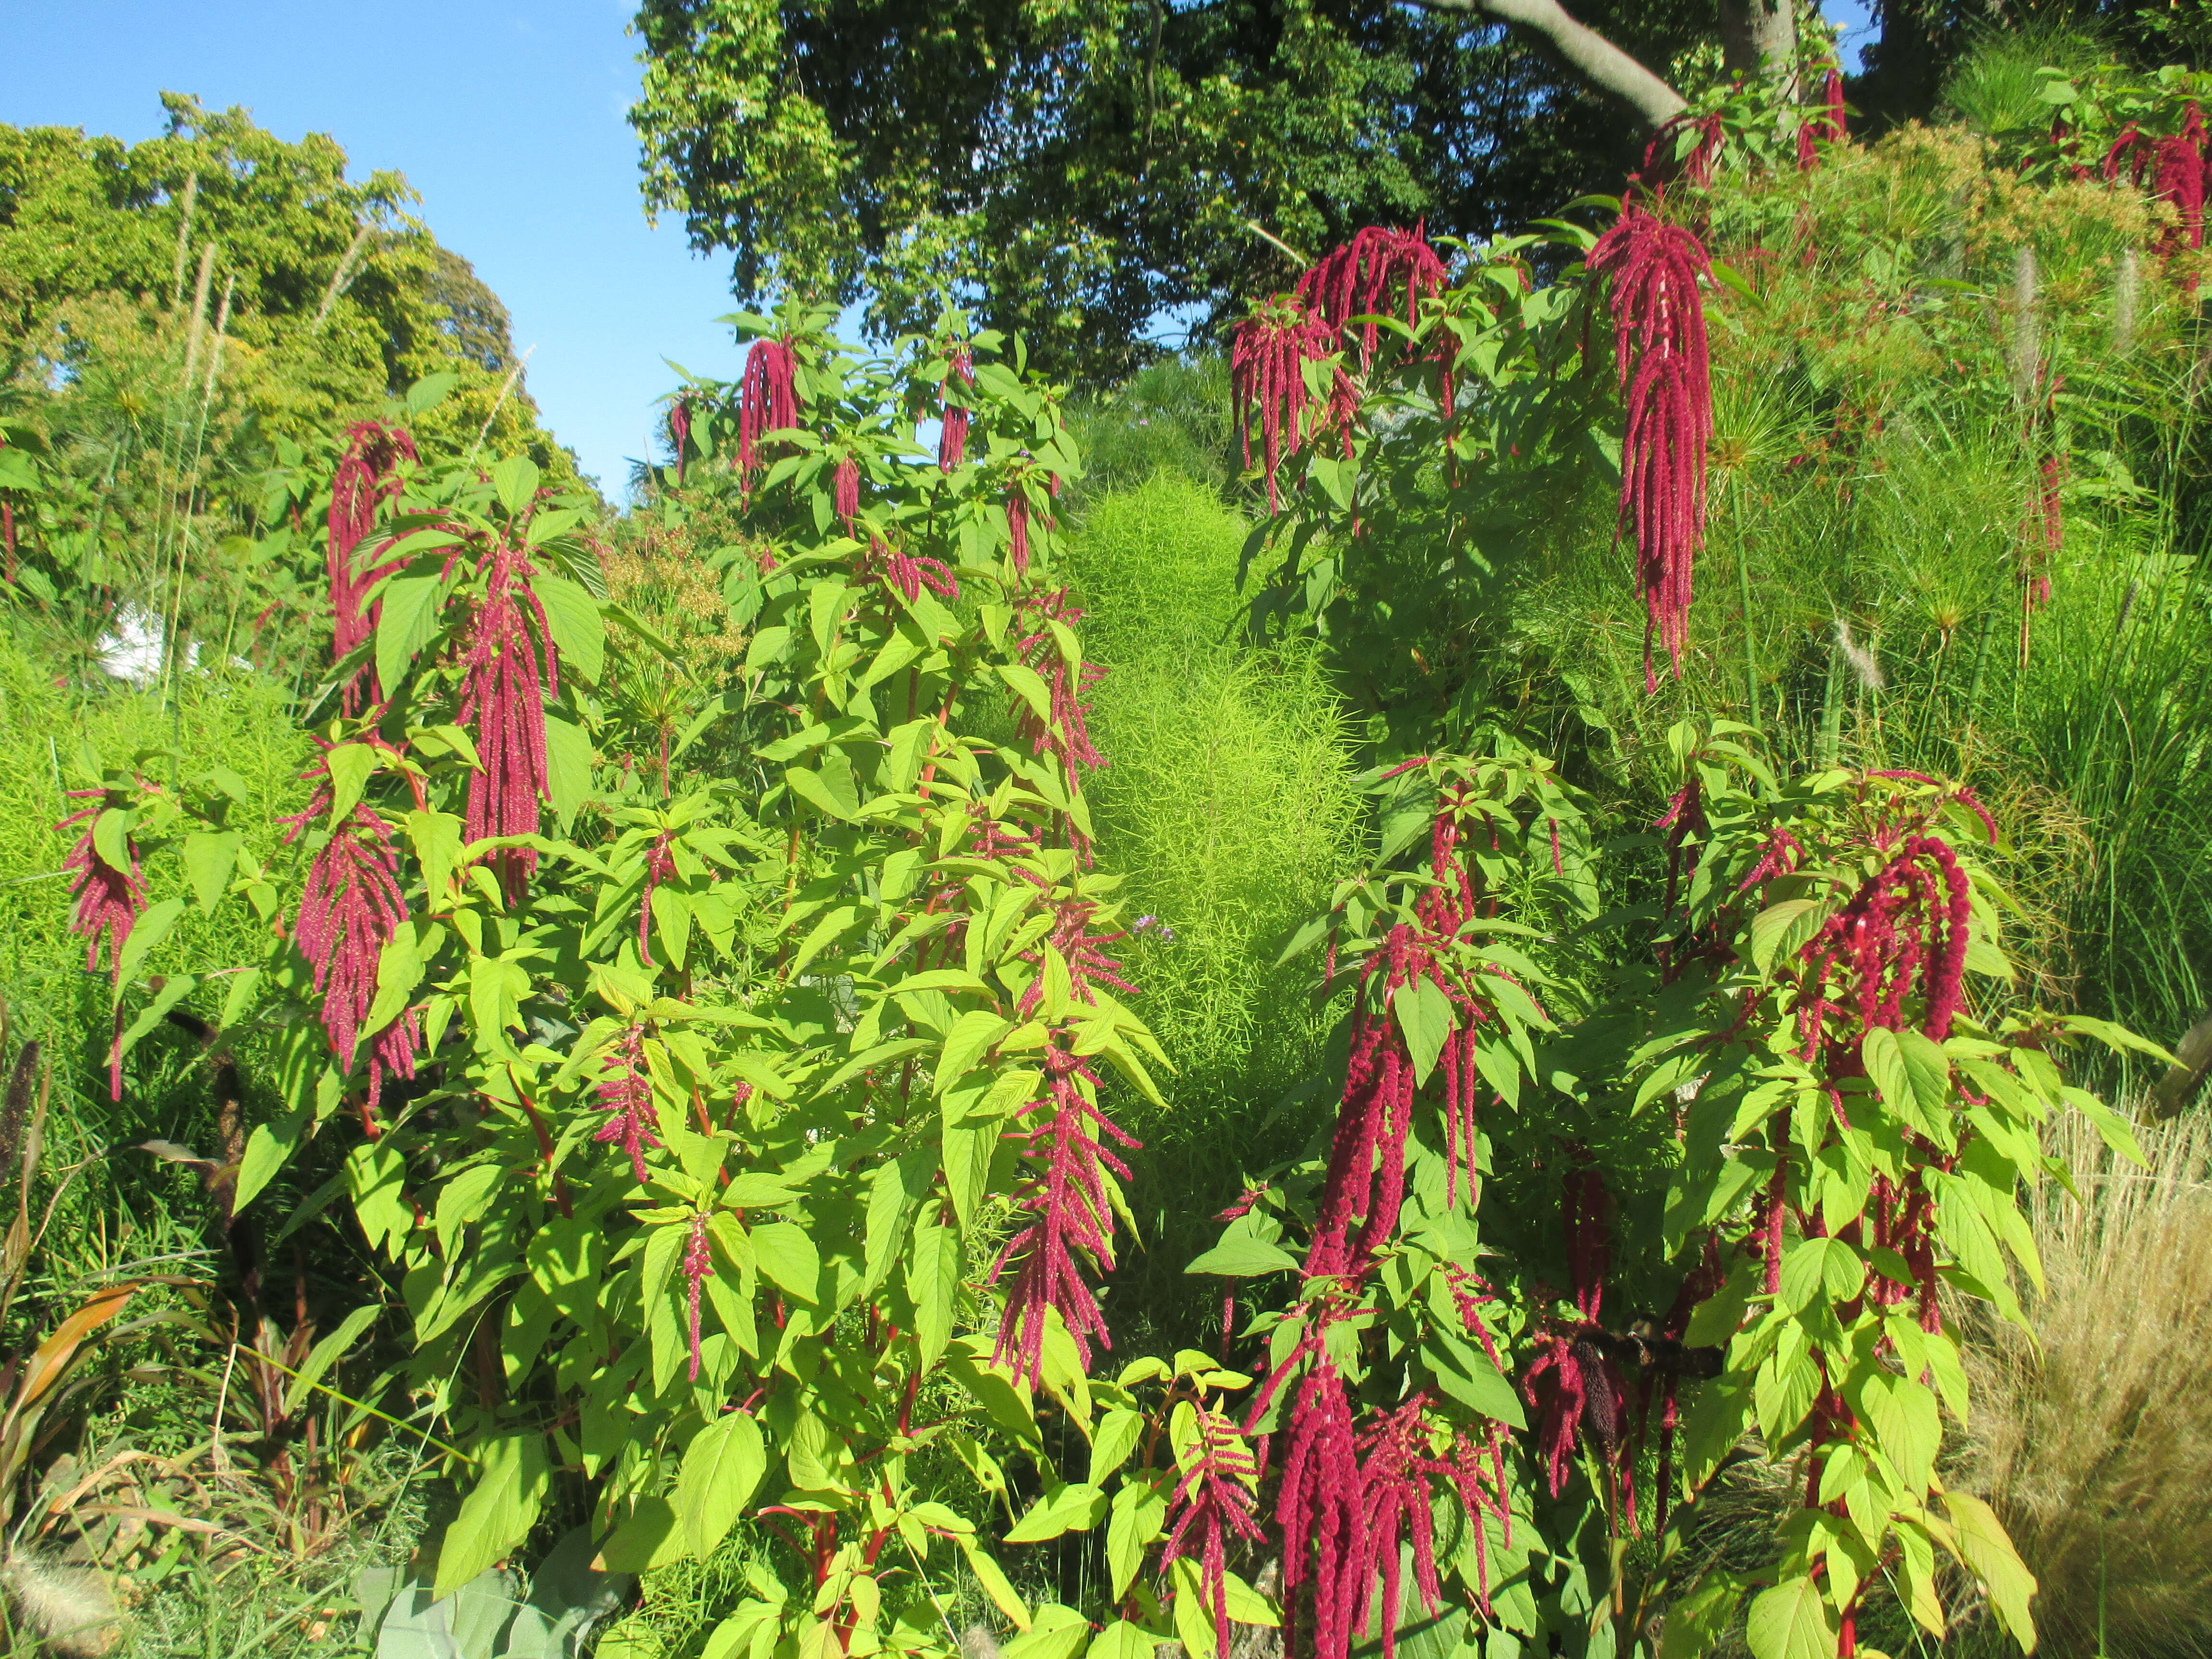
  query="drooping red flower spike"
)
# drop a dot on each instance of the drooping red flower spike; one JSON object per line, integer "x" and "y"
{"x": 768, "y": 400}
{"x": 1696, "y": 166}
{"x": 109, "y": 901}
{"x": 504, "y": 691}
{"x": 2177, "y": 177}
{"x": 367, "y": 476}
{"x": 1067, "y": 1212}
{"x": 1572, "y": 1384}
{"x": 659, "y": 865}
{"x": 625, "y": 1092}
{"x": 1267, "y": 372}
{"x": 698, "y": 1263}
{"x": 905, "y": 574}
{"x": 1017, "y": 529}
{"x": 1358, "y": 279}
{"x": 1826, "y": 127}
{"x": 845, "y": 487}
{"x": 679, "y": 433}
{"x": 1066, "y": 735}
{"x": 1651, "y": 270}
{"x": 1320, "y": 1515}
{"x": 952, "y": 427}
{"x": 349, "y": 909}
{"x": 1216, "y": 1496}
{"x": 1067, "y": 1200}
{"x": 2131, "y": 148}
{"x": 1904, "y": 931}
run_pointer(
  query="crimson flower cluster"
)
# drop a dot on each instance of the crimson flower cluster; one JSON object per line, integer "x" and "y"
{"x": 1356, "y": 279}
{"x": 768, "y": 400}
{"x": 367, "y": 476}
{"x": 1651, "y": 270}
{"x": 1266, "y": 372}
{"x": 349, "y": 909}
{"x": 108, "y": 900}
{"x": 505, "y": 687}
{"x": 845, "y": 487}
{"x": 1213, "y": 1498}
{"x": 952, "y": 427}
{"x": 625, "y": 1093}
{"x": 1064, "y": 1201}
{"x": 1825, "y": 127}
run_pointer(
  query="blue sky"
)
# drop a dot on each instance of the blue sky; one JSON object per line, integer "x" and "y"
{"x": 508, "y": 120}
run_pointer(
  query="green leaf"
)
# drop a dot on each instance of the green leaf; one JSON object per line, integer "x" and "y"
{"x": 1989, "y": 1554}
{"x": 1788, "y": 924}
{"x": 1791, "y": 1622}
{"x": 1075, "y": 1507}
{"x": 787, "y": 1256}
{"x": 1243, "y": 1256}
{"x": 209, "y": 857}
{"x": 111, "y": 838}
{"x": 568, "y": 766}
{"x": 972, "y": 1034}
{"x": 1425, "y": 1014}
{"x": 327, "y": 1352}
{"x": 578, "y": 634}
{"x": 1123, "y": 1640}
{"x": 350, "y": 765}
{"x": 1906, "y": 1423}
{"x": 147, "y": 935}
{"x": 1112, "y": 1441}
{"x": 932, "y": 1281}
{"x": 1469, "y": 1377}
{"x": 1927, "y": 1071}
{"x": 652, "y": 1537}
{"x": 1885, "y": 1064}
{"x": 513, "y": 1478}
{"x": 1820, "y": 1267}
{"x": 516, "y": 480}
{"x": 407, "y": 620}
{"x": 721, "y": 1466}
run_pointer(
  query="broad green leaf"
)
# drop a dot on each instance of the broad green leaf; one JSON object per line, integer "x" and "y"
{"x": 993, "y": 1581}
{"x": 1112, "y": 1441}
{"x": 722, "y": 1465}
{"x": 512, "y": 1477}
{"x": 210, "y": 858}
{"x": 652, "y": 1537}
{"x": 1696, "y": 1624}
{"x": 1057, "y": 1632}
{"x": 1929, "y": 1072}
{"x": 406, "y": 621}
{"x": 1791, "y": 1622}
{"x": 1820, "y": 1267}
{"x": 1123, "y": 1640}
{"x": 787, "y": 1256}
{"x": 147, "y": 935}
{"x": 972, "y": 1034}
{"x": 1424, "y": 1015}
{"x": 932, "y": 1282}
{"x": 1784, "y": 926}
{"x": 568, "y": 766}
{"x": 1989, "y": 1554}
{"x": 579, "y": 634}
{"x": 1243, "y": 1256}
{"x": 515, "y": 481}
{"x": 1906, "y": 1425}
{"x": 1075, "y": 1507}
{"x": 1885, "y": 1064}
{"x": 350, "y": 765}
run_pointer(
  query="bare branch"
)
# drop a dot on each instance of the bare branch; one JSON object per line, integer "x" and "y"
{"x": 1605, "y": 66}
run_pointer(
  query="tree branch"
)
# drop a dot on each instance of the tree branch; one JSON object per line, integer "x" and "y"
{"x": 1605, "y": 66}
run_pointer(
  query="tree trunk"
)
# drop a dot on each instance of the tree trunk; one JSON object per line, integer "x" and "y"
{"x": 1757, "y": 35}
{"x": 1601, "y": 62}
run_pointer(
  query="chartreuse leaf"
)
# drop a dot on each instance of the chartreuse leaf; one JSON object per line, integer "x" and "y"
{"x": 512, "y": 1477}
{"x": 1791, "y": 1622}
{"x": 146, "y": 935}
{"x": 721, "y": 1466}
{"x": 1425, "y": 1014}
{"x": 1987, "y": 1553}
{"x": 1123, "y": 1640}
{"x": 1070, "y": 1507}
{"x": 993, "y": 1581}
{"x": 209, "y": 857}
{"x": 1111, "y": 1442}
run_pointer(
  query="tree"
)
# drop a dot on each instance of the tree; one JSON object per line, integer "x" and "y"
{"x": 1071, "y": 170}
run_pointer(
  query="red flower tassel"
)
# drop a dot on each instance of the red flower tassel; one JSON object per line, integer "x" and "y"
{"x": 349, "y": 910}
{"x": 766, "y": 401}
{"x": 1266, "y": 370}
{"x": 952, "y": 428}
{"x": 1652, "y": 271}
{"x": 504, "y": 693}
{"x": 367, "y": 477}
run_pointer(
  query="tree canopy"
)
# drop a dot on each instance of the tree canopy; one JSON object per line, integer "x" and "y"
{"x": 1071, "y": 169}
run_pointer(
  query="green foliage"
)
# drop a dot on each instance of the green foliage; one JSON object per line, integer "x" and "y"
{"x": 1083, "y": 166}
